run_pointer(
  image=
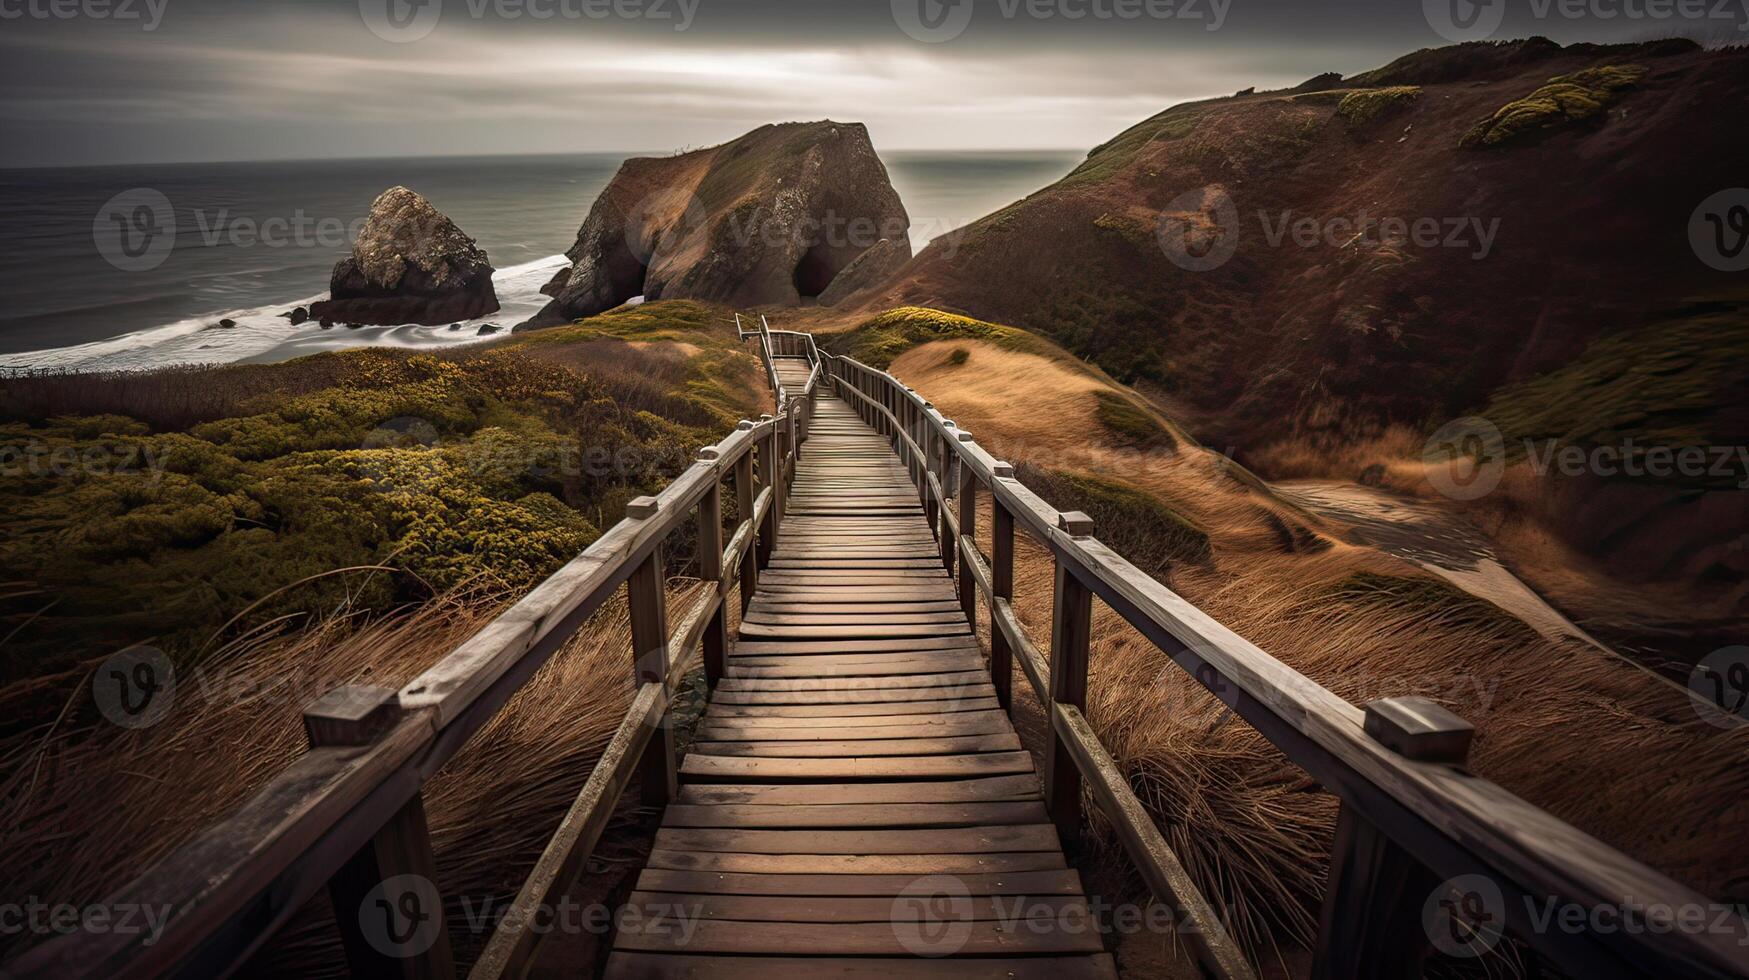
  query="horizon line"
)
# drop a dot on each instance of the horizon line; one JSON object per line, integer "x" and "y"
{"x": 624, "y": 154}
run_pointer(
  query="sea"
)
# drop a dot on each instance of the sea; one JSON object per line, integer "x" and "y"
{"x": 135, "y": 267}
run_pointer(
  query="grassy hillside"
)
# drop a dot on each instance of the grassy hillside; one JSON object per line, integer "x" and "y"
{"x": 1254, "y": 830}
{"x": 156, "y": 509}
{"x": 1552, "y": 288}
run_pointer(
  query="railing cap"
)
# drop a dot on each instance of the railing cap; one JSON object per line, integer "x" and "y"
{"x": 643, "y": 508}
{"x": 351, "y": 715}
{"x": 744, "y": 425}
{"x": 1419, "y": 729}
{"x": 1075, "y": 523}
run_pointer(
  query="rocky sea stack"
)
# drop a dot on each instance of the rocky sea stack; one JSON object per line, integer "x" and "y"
{"x": 771, "y": 218}
{"x": 411, "y": 264}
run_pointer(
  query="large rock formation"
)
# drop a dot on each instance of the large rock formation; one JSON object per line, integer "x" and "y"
{"x": 411, "y": 264}
{"x": 771, "y": 218}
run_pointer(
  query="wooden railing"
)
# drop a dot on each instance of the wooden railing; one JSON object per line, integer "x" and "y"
{"x": 1411, "y": 816}
{"x": 348, "y": 814}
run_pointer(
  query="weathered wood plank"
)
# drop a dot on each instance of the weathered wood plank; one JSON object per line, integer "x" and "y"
{"x": 823, "y": 816}
{"x": 651, "y": 966}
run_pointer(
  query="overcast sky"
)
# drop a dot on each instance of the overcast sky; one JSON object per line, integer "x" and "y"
{"x": 290, "y": 79}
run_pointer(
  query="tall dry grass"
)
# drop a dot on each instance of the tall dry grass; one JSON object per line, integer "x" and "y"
{"x": 1579, "y": 733}
{"x": 87, "y": 808}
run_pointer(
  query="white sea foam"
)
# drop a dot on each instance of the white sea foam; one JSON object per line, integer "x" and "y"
{"x": 263, "y": 334}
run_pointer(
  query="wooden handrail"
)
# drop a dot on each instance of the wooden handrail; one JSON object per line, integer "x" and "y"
{"x": 1422, "y": 813}
{"x": 314, "y": 825}
{"x": 349, "y": 810}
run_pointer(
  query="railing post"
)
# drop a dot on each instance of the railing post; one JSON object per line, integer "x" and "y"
{"x": 780, "y": 470}
{"x": 647, "y": 602}
{"x": 967, "y": 494}
{"x": 386, "y": 903}
{"x": 1071, "y": 635}
{"x": 1371, "y": 924}
{"x": 944, "y": 532}
{"x": 927, "y": 444}
{"x": 766, "y": 532}
{"x": 744, "y": 507}
{"x": 710, "y": 571}
{"x": 1002, "y": 584}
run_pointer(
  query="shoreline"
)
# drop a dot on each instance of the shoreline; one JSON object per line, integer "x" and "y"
{"x": 264, "y": 335}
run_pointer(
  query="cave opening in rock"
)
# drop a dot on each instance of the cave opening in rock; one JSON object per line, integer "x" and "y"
{"x": 626, "y": 272}
{"x": 814, "y": 272}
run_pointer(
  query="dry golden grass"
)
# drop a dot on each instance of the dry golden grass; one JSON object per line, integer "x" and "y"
{"x": 1583, "y": 735}
{"x": 87, "y": 809}
{"x": 985, "y": 387}
{"x": 1518, "y": 516}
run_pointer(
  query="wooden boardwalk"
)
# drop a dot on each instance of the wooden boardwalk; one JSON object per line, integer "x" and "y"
{"x": 855, "y": 802}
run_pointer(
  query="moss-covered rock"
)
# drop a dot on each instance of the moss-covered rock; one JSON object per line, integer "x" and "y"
{"x": 1366, "y": 106}
{"x": 1566, "y": 99}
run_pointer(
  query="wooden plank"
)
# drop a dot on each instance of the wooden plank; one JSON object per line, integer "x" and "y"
{"x": 820, "y": 816}
{"x": 779, "y": 684}
{"x": 844, "y": 710}
{"x": 791, "y": 749}
{"x": 1046, "y": 910}
{"x": 854, "y": 690}
{"x": 860, "y": 645}
{"x": 650, "y": 966}
{"x": 934, "y": 727}
{"x": 721, "y": 767}
{"x": 1001, "y": 839}
{"x": 1050, "y": 882}
{"x": 856, "y": 864}
{"x": 860, "y": 939}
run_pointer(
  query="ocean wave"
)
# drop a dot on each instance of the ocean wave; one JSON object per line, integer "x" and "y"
{"x": 262, "y": 333}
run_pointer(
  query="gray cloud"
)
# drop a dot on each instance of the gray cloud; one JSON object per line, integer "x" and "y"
{"x": 217, "y": 79}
